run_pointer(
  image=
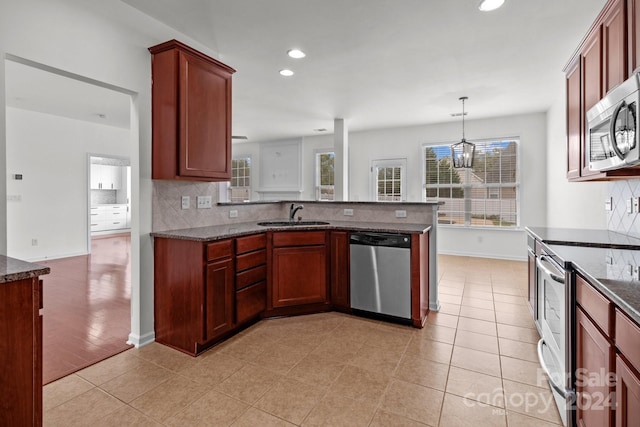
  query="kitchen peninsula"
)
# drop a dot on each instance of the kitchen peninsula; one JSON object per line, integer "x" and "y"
{"x": 213, "y": 280}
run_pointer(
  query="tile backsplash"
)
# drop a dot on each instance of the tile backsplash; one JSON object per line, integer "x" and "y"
{"x": 618, "y": 219}
{"x": 103, "y": 197}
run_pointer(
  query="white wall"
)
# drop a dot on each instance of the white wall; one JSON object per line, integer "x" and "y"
{"x": 51, "y": 152}
{"x": 106, "y": 41}
{"x": 569, "y": 204}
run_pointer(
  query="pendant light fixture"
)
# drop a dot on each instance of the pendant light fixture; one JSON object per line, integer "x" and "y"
{"x": 463, "y": 151}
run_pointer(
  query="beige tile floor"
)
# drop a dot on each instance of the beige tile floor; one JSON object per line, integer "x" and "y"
{"x": 474, "y": 364}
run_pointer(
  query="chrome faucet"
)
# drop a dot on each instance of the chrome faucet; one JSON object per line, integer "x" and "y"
{"x": 292, "y": 211}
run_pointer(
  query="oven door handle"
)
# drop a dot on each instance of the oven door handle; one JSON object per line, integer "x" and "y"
{"x": 555, "y": 276}
{"x": 565, "y": 393}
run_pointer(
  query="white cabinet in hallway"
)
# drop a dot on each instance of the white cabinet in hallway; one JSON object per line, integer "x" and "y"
{"x": 106, "y": 177}
{"x": 108, "y": 217}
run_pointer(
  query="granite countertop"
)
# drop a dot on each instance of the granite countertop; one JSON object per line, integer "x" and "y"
{"x": 605, "y": 269}
{"x": 584, "y": 237}
{"x": 12, "y": 269}
{"x": 329, "y": 202}
{"x": 218, "y": 232}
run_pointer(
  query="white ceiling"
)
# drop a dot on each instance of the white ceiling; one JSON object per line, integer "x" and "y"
{"x": 45, "y": 91}
{"x": 375, "y": 63}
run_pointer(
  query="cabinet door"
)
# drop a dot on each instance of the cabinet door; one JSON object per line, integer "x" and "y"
{"x": 574, "y": 120}
{"x": 594, "y": 360}
{"x": 340, "y": 269}
{"x": 627, "y": 395}
{"x": 219, "y": 297}
{"x": 591, "y": 68}
{"x": 614, "y": 38}
{"x": 95, "y": 178}
{"x": 205, "y": 119}
{"x": 633, "y": 34}
{"x": 299, "y": 275}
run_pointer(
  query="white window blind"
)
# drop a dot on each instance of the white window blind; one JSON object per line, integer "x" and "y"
{"x": 486, "y": 195}
{"x": 240, "y": 185}
{"x": 389, "y": 180}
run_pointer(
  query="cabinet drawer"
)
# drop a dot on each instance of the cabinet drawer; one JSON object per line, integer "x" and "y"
{"x": 219, "y": 250}
{"x": 628, "y": 338}
{"x": 250, "y": 277}
{"x": 299, "y": 238}
{"x": 251, "y": 301}
{"x": 251, "y": 243}
{"x": 252, "y": 259}
{"x": 596, "y": 305}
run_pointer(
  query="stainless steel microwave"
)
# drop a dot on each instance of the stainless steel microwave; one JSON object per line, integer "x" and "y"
{"x": 613, "y": 128}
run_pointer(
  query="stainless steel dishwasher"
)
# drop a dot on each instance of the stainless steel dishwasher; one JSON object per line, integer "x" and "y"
{"x": 380, "y": 275}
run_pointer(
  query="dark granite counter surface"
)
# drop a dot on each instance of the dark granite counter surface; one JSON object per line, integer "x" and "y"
{"x": 584, "y": 237}
{"x": 607, "y": 270}
{"x": 12, "y": 269}
{"x": 217, "y": 232}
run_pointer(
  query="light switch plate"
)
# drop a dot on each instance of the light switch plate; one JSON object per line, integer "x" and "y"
{"x": 233, "y": 213}
{"x": 186, "y": 202}
{"x": 203, "y": 202}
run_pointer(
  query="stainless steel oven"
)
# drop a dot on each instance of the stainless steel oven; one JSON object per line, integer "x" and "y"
{"x": 554, "y": 314}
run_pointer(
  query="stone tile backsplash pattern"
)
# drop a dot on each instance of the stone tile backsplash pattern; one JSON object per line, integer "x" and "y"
{"x": 103, "y": 197}
{"x": 169, "y": 215}
{"x": 618, "y": 219}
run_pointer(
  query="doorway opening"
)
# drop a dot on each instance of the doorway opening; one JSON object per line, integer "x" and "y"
{"x": 54, "y": 120}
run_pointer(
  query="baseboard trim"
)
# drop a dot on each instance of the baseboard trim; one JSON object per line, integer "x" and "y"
{"x": 141, "y": 340}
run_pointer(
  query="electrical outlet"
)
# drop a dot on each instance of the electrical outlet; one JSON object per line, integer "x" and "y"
{"x": 608, "y": 204}
{"x": 186, "y": 202}
{"x": 636, "y": 204}
{"x": 348, "y": 212}
{"x": 630, "y": 205}
{"x": 233, "y": 213}
{"x": 34, "y": 242}
{"x": 401, "y": 214}
{"x": 203, "y": 202}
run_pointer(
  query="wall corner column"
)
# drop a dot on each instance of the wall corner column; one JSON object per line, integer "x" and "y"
{"x": 341, "y": 159}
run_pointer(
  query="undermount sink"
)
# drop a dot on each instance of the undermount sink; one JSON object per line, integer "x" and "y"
{"x": 290, "y": 223}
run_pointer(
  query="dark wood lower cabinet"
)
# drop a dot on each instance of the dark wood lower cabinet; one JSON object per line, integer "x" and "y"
{"x": 299, "y": 276}
{"x": 21, "y": 353}
{"x": 594, "y": 363}
{"x": 627, "y": 394}
{"x": 251, "y": 302}
{"x": 219, "y": 297}
{"x": 340, "y": 271}
{"x": 194, "y": 292}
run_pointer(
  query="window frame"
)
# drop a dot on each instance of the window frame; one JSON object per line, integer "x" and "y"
{"x": 488, "y": 188}
{"x": 317, "y": 181}
{"x": 249, "y": 187}
{"x": 389, "y": 163}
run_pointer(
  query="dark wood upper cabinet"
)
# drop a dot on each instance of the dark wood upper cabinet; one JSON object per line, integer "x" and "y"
{"x": 614, "y": 46}
{"x": 191, "y": 114}
{"x": 633, "y": 35}
{"x": 602, "y": 61}
{"x": 574, "y": 120}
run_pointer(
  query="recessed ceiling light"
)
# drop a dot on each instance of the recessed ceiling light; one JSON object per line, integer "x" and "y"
{"x": 296, "y": 53}
{"x": 286, "y": 73}
{"x": 489, "y": 5}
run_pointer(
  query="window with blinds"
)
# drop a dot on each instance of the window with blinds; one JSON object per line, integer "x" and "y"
{"x": 486, "y": 195}
{"x": 389, "y": 184}
{"x": 240, "y": 185}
